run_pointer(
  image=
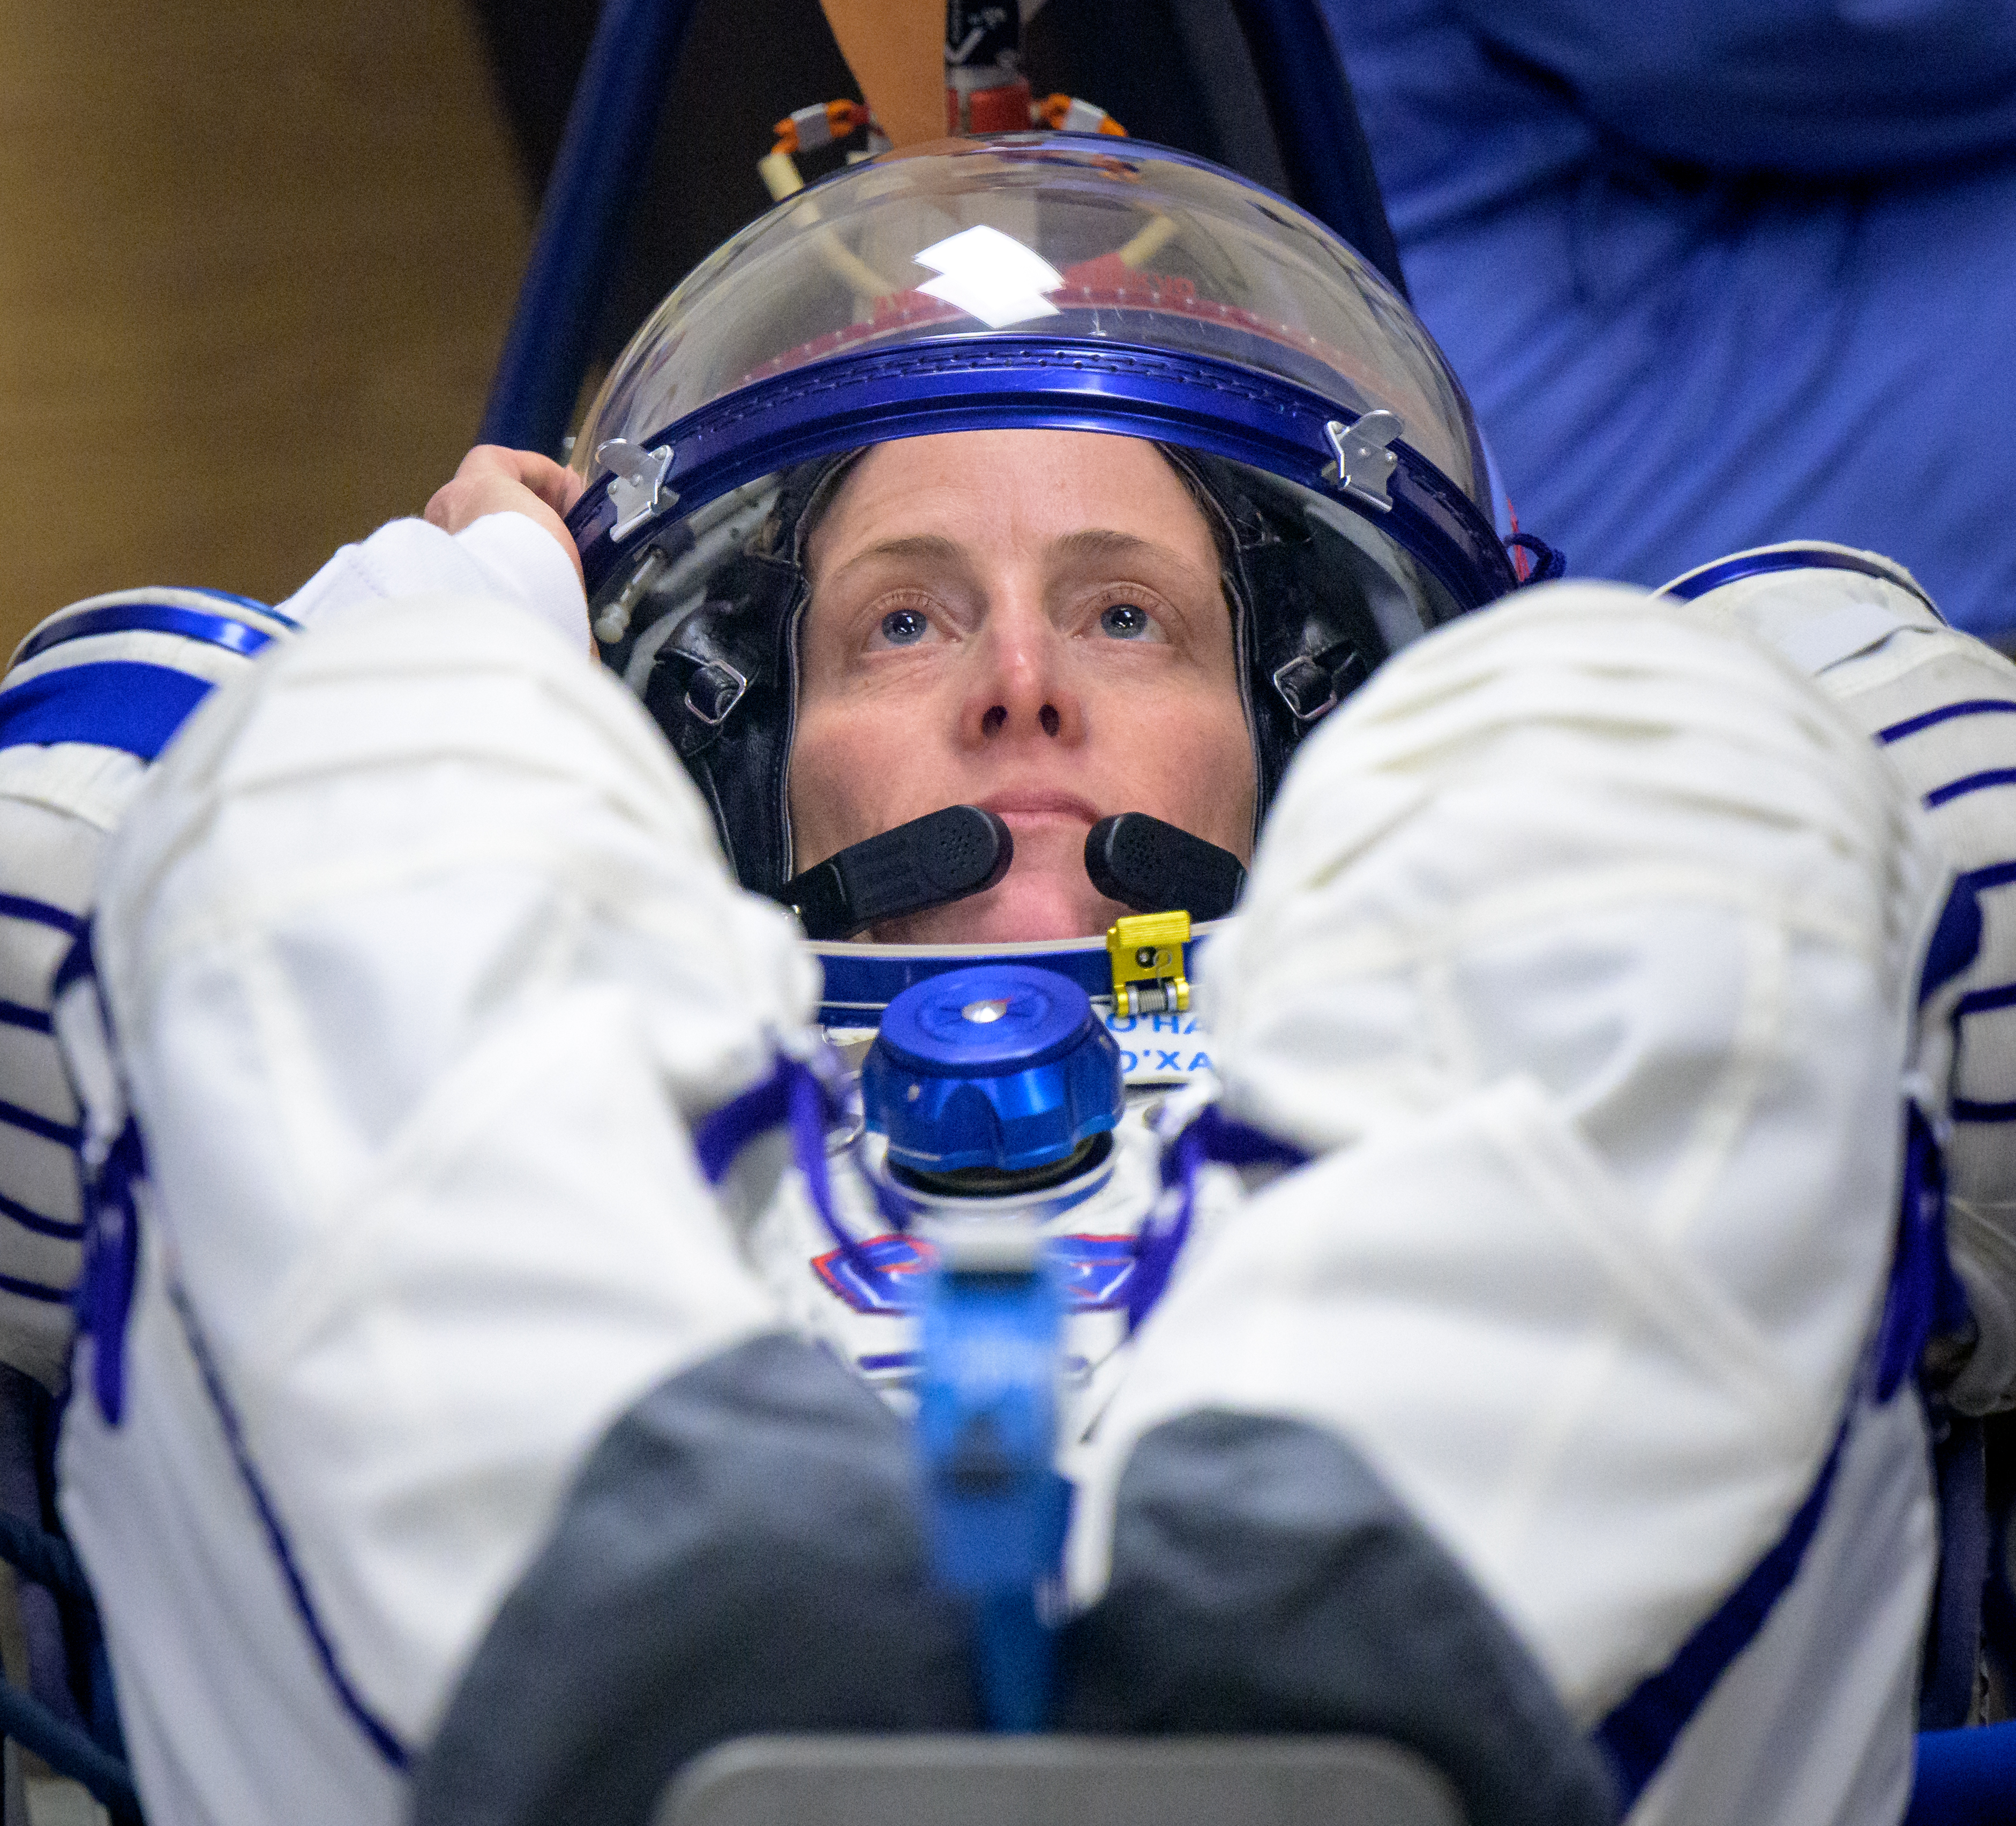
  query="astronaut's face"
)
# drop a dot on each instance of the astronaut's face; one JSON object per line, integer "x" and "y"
{"x": 1030, "y": 622}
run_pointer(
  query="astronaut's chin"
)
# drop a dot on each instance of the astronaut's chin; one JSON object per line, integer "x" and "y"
{"x": 1030, "y": 907}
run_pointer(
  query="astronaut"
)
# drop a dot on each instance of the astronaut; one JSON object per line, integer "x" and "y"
{"x": 1494, "y": 1307}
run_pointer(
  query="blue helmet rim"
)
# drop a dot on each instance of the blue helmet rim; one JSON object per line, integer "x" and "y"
{"x": 1035, "y": 383}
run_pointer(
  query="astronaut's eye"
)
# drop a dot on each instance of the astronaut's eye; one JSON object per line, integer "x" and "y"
{"x": 904, "y": 627}
{"x": 1125, "y": 622}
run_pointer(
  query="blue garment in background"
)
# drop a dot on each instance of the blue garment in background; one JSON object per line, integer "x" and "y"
{"x": 1720, "y": 273}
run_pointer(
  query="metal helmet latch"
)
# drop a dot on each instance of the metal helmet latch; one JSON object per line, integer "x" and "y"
{"x": 1365, "y": 460}
{"x": 637, "y": 486}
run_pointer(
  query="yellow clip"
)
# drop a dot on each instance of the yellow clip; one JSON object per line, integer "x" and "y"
{"x": 1147, "y": 951}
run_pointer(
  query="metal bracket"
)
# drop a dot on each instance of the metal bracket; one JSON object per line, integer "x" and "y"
{"x": 637, "y": 488}
{"x": 1365, "y": 463}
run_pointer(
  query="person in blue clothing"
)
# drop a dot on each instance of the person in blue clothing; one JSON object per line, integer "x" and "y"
{"x": 1717, "y": 274}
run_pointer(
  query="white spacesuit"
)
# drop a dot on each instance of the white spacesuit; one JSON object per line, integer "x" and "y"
{"x": 459, "y": 1434}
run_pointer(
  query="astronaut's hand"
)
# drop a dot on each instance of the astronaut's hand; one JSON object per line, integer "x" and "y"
{"x": 494, "y": 479}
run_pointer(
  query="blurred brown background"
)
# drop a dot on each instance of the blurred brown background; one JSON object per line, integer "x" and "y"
{"x": 256, "y": 260}
{"x": 258, "y": 257}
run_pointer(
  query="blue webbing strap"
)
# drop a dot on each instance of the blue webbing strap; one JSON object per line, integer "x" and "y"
{"x": 1210, "y": 1137}
{"x": 806, "y": 1099}
{"x": 987, "y": 1436}
{"x": 996, "y": 1508}
{"x": 114, "y": 704}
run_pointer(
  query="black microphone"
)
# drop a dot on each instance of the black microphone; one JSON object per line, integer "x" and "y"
{"x": 1154, "y": 867}
{"x": 931, "y": 861}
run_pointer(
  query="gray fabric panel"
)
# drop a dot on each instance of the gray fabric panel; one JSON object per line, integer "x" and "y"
{"x": 742, "y": 1552}
{"x": 1265, "y": 1580}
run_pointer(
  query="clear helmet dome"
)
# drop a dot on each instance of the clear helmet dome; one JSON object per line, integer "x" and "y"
{"x": 973, "y": 241}
{"x": 1029, "y": 281}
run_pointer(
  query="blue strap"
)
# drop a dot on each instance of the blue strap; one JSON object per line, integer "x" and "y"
{"x": 1549, "y": 561}
{"x": 807, "y": 1100}
{"x": 1210, "y": 1137}
{"x": 1787, "y": 558}
{"x": 996, "y": 1507}
{"x": 987, "y": 1438}
{"x": 232, "y": 636}
{"x": 115, "y": 703}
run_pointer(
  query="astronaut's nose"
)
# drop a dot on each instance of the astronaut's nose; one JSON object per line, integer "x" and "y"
{"x": 1023, "y": 689}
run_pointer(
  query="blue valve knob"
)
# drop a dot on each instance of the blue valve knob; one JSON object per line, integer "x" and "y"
{"x": 1001, "y": 1066}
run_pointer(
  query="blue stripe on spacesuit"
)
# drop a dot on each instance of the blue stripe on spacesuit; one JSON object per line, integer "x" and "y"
{"x": 15, "y": 1014}
{"x": 232, "y": 636}
{"x": 19, "y": 906}
{"x": 15, "y": 1117}
{"x": 247, "y": 601}
{"x": 1923, "y": 1298}
{"x": 381, "y": 1738}
{"x": 1790, "y": 558}
{"x": 1972, "y": 783}
{"x": 114, "y": 704}
{"x": 1980, "y": 1001}
{"x": 1641, "y": 1730}
{"x": 35, "y": 1290}
{"x": 1946, "y": 713}
{"x": 34, "y": 1220}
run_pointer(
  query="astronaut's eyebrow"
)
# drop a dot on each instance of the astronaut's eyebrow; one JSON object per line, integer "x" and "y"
{"x": 931, "y": 548}
{"x": 1088, "y": 545}
{"x": 1102, "y": 542}
{"x": 1104, "y": 545}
